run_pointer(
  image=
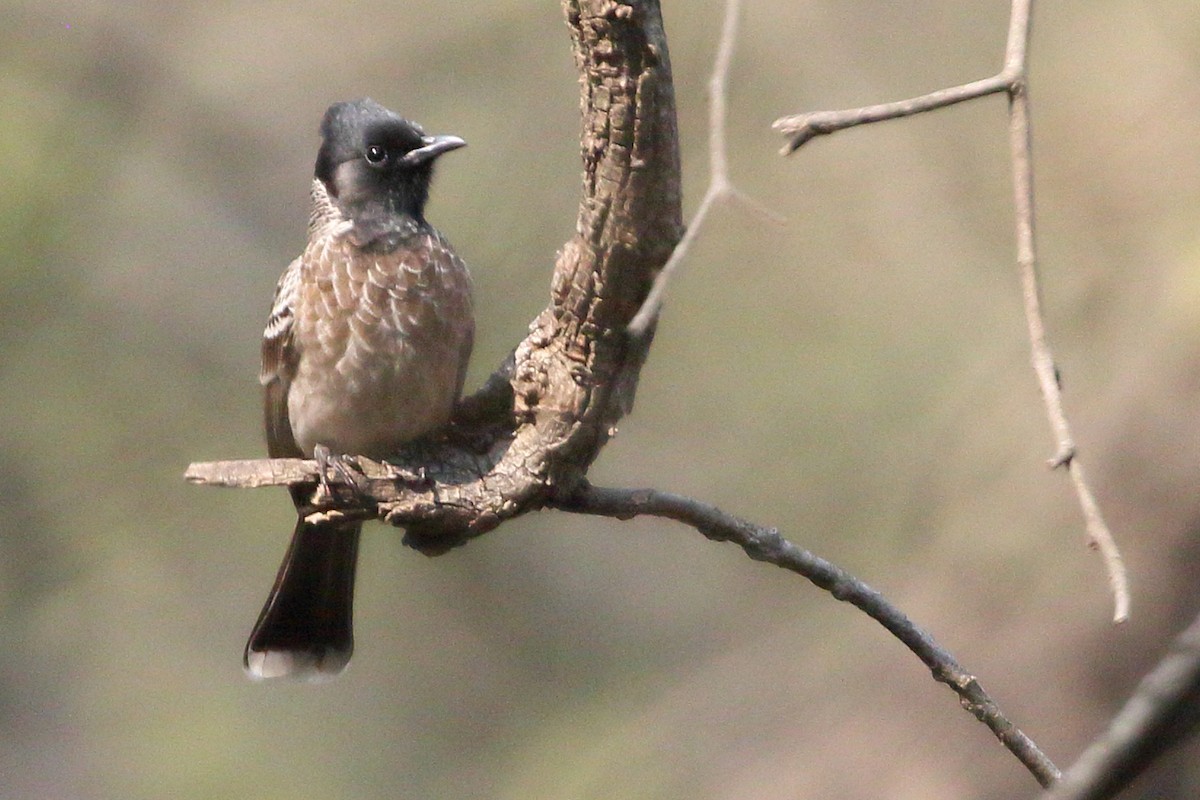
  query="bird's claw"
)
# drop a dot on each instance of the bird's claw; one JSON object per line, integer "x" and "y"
{"x": 345, "y": 467}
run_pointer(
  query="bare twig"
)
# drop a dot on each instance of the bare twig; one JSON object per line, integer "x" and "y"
{"x": 1015, "y": 65}
{"x": 1020, "y": 139}
{"x": 719, "y": 187}
{"x": 1163, "y": 711}
{"x": 765, "y": 544}
{"x": 1012, "y": 80}
{"x": 801, "y": 128}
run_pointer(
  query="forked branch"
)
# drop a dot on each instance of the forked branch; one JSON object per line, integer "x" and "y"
{"x": 1012, "y": 80}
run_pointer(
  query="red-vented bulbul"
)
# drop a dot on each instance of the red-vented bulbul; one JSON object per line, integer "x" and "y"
{"x": 365, "y": 350}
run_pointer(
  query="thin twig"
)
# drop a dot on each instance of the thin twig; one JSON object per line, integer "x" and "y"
{"x": 1012, "y": 80}
{"x": 765, "y": 544}
{"x": 802, "y": 128}
{"x": 719, "y": 187}
{"x": 1163, "y": 711}
{"x": 1020, "y": 138}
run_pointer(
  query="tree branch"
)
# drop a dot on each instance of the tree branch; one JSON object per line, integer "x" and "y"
{"x": 541, "y": 420}
{"x": 719, "y": 187}
{"x": 799, "y": 129}
{"x": 384, "y": 485}
{"x": 1012, "y": 79}
{"x": 1163, "y": 711}
{"x": 765, "y": 544}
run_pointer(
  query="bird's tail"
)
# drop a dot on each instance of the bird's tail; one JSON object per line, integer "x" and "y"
{"x": 305, "y": 630}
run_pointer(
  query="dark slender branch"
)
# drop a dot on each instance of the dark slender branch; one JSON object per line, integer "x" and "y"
{"x": 802, "y": 128}
{"x": 759, "y": 543}
{"x": 1164, "y": 710}
{"x": 766, "y": 544}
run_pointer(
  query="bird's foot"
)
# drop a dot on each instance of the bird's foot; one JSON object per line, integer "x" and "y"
{"x": 411, "y": 476}
{"x": 346, "y": 469}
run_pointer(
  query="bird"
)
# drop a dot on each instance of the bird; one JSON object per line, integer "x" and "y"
{"x": 365, "y": 350}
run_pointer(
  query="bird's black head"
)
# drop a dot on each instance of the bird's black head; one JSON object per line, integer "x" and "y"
{"x": 375, "y": 163}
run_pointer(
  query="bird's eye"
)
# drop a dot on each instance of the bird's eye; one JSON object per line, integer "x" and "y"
{"x": 377, "y": 154}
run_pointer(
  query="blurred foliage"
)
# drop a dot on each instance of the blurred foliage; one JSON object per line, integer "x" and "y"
{"x": 857, "y": 376}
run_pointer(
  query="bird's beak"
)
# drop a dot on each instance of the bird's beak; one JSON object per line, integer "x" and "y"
{"x": 432, "y": 147}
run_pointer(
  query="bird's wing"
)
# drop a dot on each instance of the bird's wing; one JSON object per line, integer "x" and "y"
{"x": 279, "y": 358}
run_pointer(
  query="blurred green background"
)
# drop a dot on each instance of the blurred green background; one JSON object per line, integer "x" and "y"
{"x": 857, "y": 376}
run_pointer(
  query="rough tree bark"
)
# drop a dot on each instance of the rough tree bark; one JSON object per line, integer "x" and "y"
{"x": 533, "y": 430}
